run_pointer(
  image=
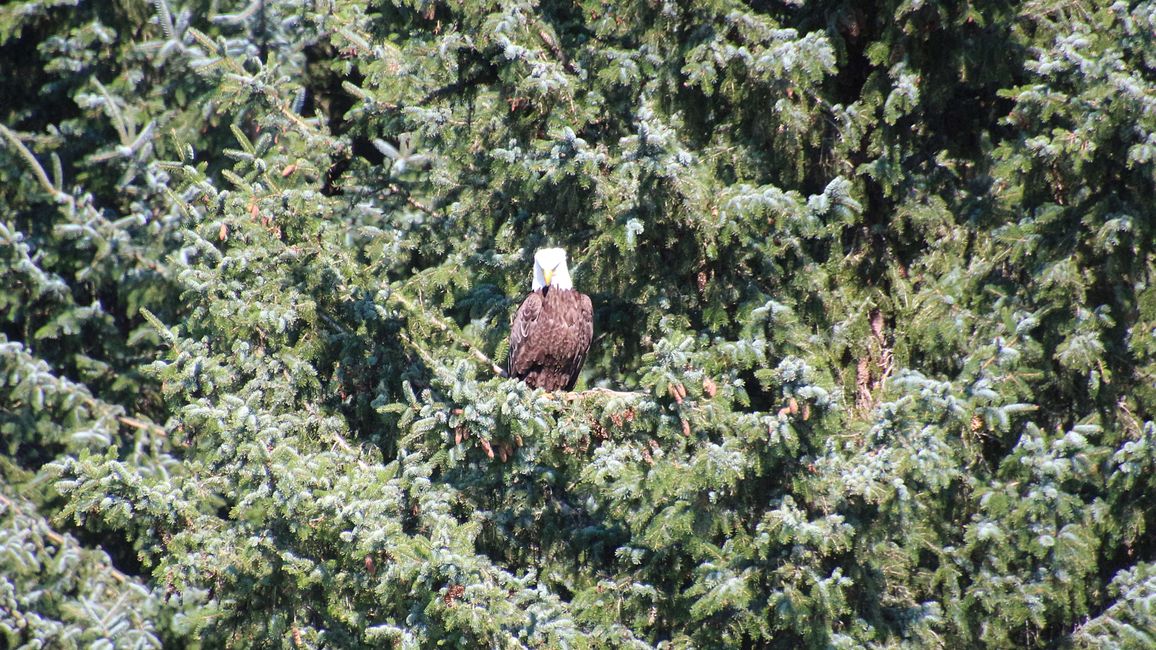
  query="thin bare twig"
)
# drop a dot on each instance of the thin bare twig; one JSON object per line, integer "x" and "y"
{"x": 144, "y": 426}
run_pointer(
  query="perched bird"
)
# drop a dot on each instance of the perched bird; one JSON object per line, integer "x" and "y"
{"x": 551, "y": 332}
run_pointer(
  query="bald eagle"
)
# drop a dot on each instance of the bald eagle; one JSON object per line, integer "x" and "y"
{"x": 551, "y": 332}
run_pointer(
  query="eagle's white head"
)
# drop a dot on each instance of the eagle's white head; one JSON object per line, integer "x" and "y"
{"x": 550, "y": 269}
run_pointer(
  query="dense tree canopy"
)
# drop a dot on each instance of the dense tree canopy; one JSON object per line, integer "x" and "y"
{"x": 875, "y": 323}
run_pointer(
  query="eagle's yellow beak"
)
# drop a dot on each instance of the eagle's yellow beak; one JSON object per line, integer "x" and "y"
{"x": 549, "y": 273}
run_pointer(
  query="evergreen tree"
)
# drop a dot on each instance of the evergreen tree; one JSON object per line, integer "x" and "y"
{"x": 875, "y": 338}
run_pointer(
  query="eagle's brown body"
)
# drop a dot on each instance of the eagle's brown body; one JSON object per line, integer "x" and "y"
{"x": 550, "y": 337}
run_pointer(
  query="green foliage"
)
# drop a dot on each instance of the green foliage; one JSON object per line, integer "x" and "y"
{"x": 55, "y": 592}
{"x": 875, "y": 356}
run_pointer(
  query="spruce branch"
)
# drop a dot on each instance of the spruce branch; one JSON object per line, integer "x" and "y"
{"x": 448, "y": 330}
{"x": 100, "y": 411}
{"x": 241, "y": 16}
{"x": 165, "y": 18}
{"x": 113, "y": 111}
{"x": 142, "y": 425}
{"x": 242, "y": 75}
{"x": 608, "y": 392}
{"x": 37, "y": 169}
{"x": 61, "y": 541}
{"x": 421, "y": 351}
{"x": 160, "y": 327}
{"x": 393, "y": 188}
{"x": 53, "y": 189}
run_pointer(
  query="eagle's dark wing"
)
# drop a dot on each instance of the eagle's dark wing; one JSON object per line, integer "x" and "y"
{"x": 524, "y": 321}
{"x": 582, "y": 325}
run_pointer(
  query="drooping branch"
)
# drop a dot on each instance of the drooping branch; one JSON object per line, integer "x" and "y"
{"x": 37, "y": 169}
{"x": 61, "y": 541}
